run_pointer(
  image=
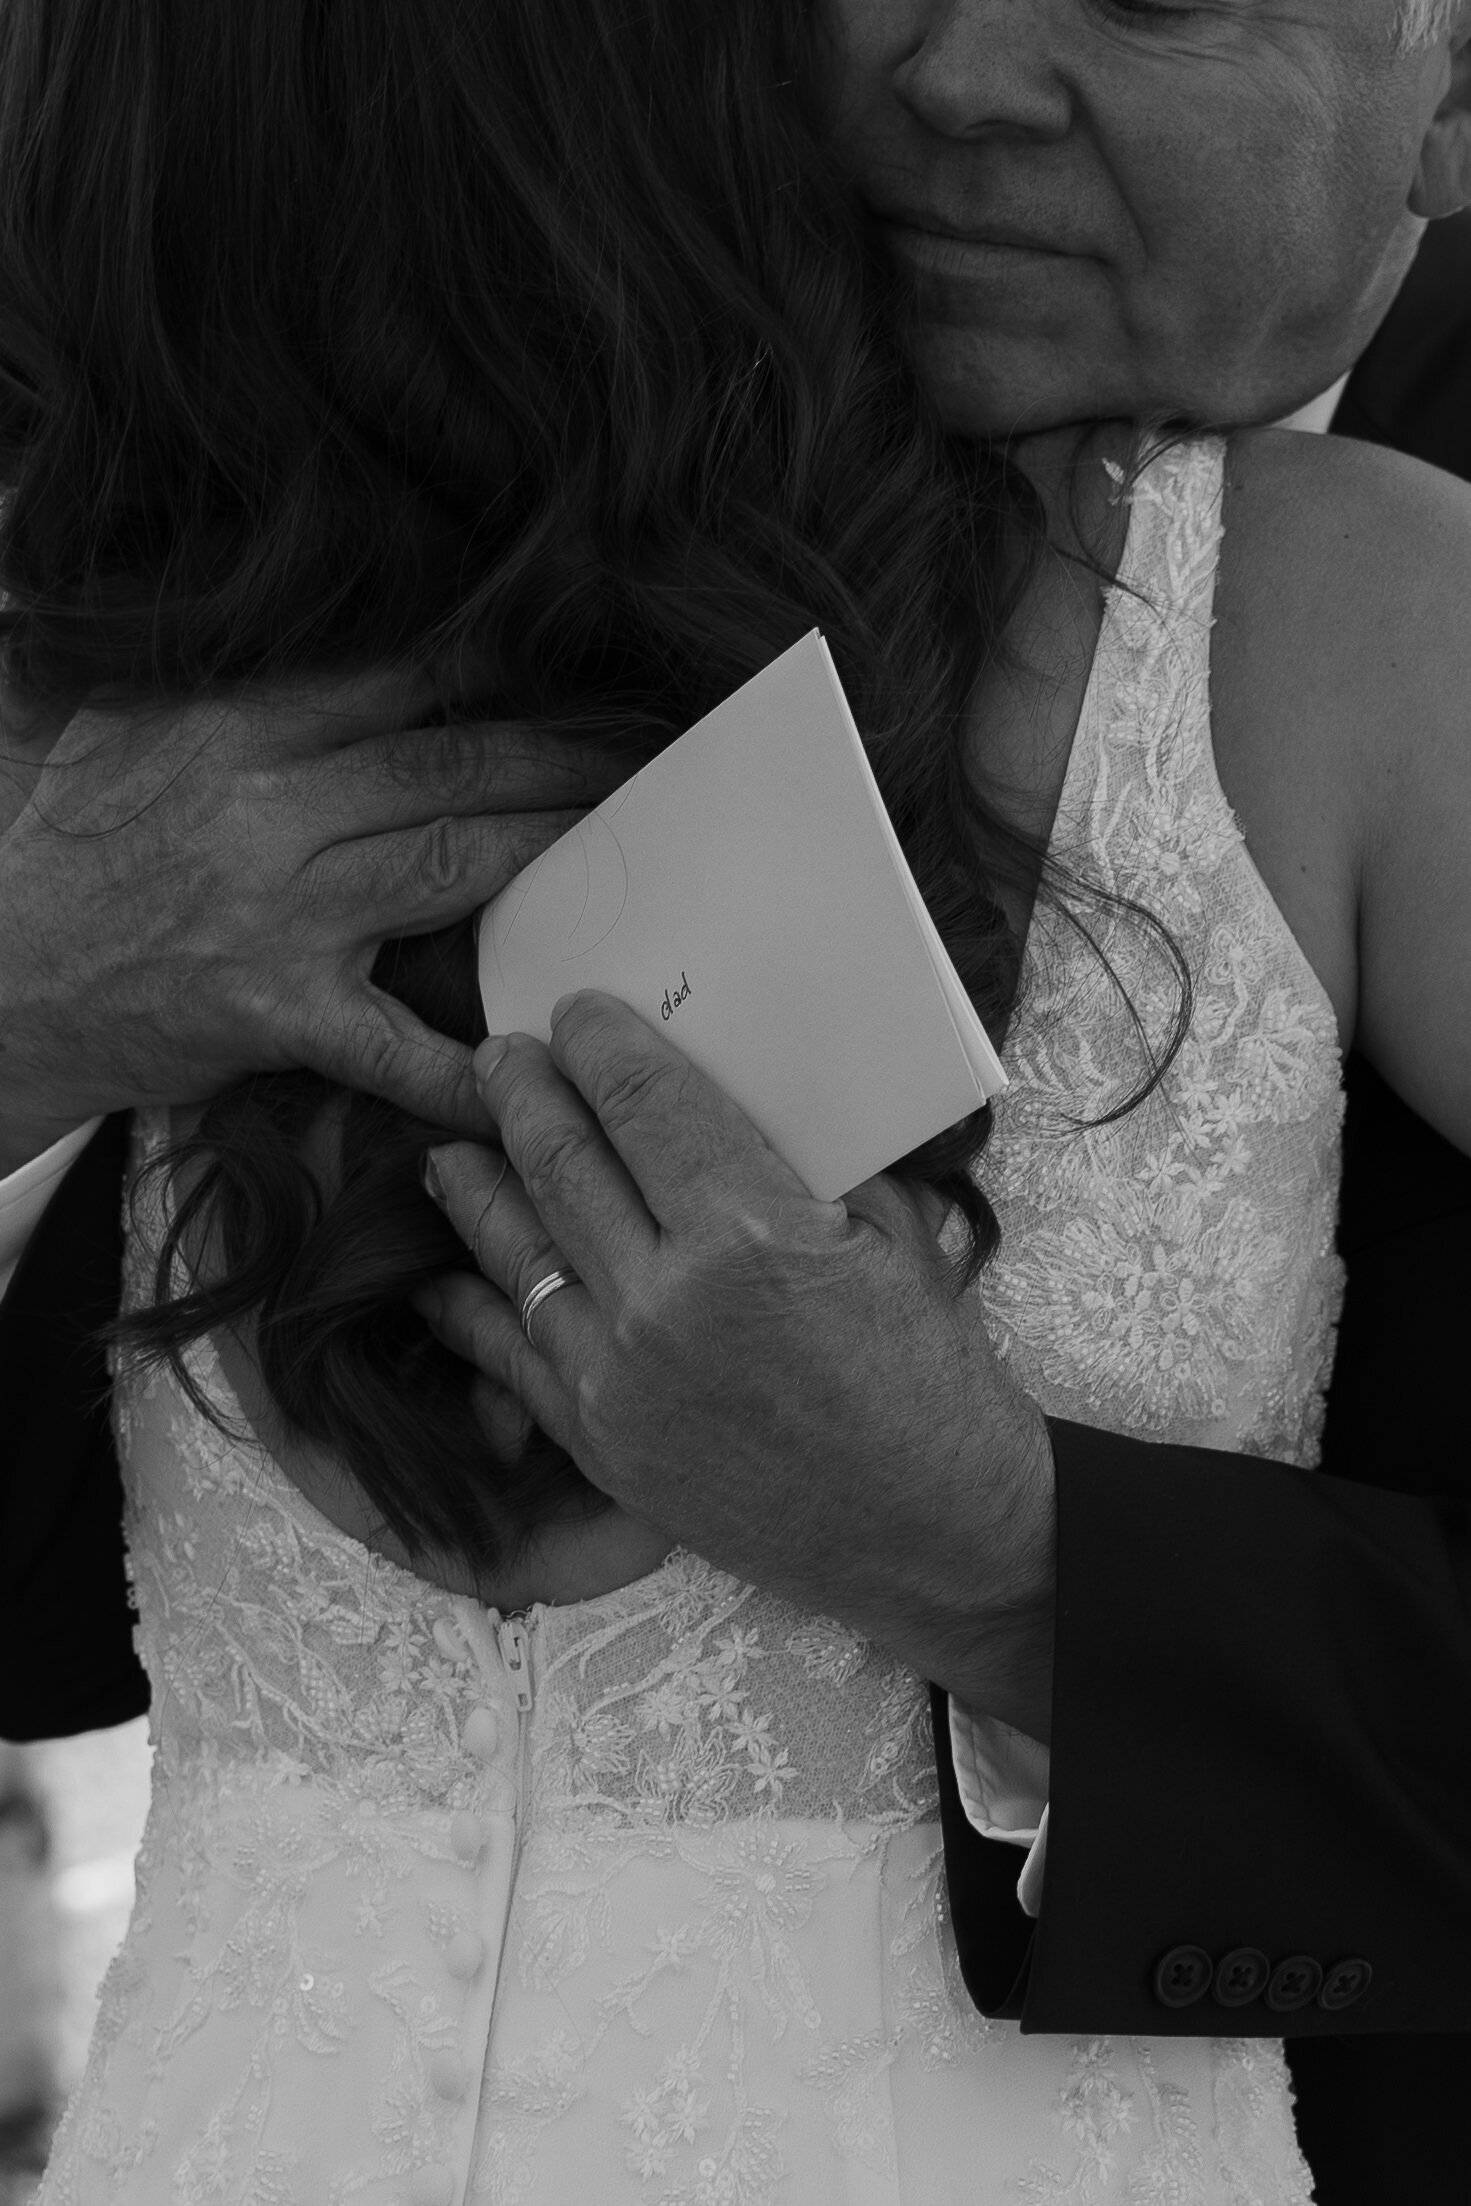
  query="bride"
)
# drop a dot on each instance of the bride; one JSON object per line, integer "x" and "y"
{"x": 499, "y": 1851}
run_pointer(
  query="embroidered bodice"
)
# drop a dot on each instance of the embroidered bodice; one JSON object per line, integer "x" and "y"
{"x": 1173, "y": 1273}
{"x": 640, "y": 1898}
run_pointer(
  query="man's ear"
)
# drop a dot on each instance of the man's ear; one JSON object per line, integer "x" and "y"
{"x": 1443, "y": 178}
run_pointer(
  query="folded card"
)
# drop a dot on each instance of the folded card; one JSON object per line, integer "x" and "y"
{"x": 746, "y": 894}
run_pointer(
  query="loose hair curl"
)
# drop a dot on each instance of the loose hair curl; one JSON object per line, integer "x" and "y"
{"x": 534, "y": 336}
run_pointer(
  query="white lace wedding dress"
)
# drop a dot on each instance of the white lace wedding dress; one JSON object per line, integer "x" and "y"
{"x": 641, "y": 1898}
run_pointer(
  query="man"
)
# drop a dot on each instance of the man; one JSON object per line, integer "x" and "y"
{"x": 1135, "y": 215}
{"x": 1025, "y": 113}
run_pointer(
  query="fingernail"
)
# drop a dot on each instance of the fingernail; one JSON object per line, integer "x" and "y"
{"x": 429, "y": 1303}
{"x": 429, "y": 1174}
{"x": 489, "y": 1055}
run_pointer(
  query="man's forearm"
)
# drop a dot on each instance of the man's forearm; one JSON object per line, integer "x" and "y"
{"x": 997, "y": 1658}
{"x": 1006, "y": 1669}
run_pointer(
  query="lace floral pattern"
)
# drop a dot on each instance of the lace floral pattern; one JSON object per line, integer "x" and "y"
{"x": 641, "y": 1899}
{"x": 1173, "y": 1272}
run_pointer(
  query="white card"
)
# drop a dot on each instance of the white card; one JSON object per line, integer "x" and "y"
{"x": 746, "y": 894}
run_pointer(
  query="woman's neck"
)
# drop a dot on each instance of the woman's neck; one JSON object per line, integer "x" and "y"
{"x": 574, "y": 1559}
{"x": 1026, "y": 707}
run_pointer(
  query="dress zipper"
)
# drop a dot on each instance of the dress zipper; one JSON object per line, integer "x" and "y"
{"x": 513, "y": 1636}
{"x": 515, "y": 1646}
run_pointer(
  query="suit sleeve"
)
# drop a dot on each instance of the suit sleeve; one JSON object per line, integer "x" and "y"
{"x": 1275, "y": 1670}
{"x": 66, "y": 1653}
{"x": 1262, "y": 1686}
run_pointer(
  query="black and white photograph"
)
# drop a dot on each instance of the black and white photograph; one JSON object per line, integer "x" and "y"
{"x": 735, "y": 1102}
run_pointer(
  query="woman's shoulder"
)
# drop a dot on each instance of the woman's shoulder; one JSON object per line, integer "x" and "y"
{"x": 1341, "y": 605}
{"x": 1340, "y": 671}
{"x": 1328, "y": 528}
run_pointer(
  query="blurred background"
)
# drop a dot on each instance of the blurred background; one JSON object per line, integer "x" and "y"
{"x": 71, "y": 1817}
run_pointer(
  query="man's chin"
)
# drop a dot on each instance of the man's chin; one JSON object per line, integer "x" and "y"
{"x": 1003, "y": 388}
{"x": 992, "y": 387}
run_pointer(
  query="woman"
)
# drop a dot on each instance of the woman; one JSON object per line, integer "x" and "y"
{"x": 433, "y": 345}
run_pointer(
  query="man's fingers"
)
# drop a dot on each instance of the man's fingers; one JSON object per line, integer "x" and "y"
{"x": 476, "y": 1323}
{"x": 493, "y": 1219}
{"x": 506, "y": 1422}
{"x": 106, "y": 768}
{"x": 903, "y": 1211}
{"x": 490, "y": 1212}
{"x": 323, "y": 712}
{"x": 687, "y": 1146}
{"x": 410, "y": 777}
{"x": 308, "y": 715}
{"x": 423, "y": 878}
{"x": 368, "y": 1040}
{"x": 571, "y": 1203}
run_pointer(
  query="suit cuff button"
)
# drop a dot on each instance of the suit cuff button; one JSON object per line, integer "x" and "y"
{"x": 1294, "y": 1983}
{"x": 1241, "y": 1976}
{"x": 1345, "y": 1982}
{"x": 1183, "y": 1976}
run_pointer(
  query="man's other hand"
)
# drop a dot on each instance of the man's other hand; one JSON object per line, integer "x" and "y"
{"x": 199, "y": 892}
{"x": 793, "y": 1388}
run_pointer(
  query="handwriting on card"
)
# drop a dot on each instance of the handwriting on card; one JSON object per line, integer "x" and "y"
{"x": 672, "y": 1002}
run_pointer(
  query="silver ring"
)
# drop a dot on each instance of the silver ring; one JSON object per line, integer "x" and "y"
{"x": 537, "y": 1295}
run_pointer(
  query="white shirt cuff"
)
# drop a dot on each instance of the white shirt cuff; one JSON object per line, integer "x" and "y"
{"x": 25, "y": 1194}
{"x": 1003, "y": 1777}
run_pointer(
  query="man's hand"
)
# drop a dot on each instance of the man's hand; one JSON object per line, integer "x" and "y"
{"x": 792, "y": 1388}
{"x": 201, "y": 893}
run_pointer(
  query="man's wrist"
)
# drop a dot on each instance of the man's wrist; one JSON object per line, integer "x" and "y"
{"x": 1006, "y": 1670}
{"x": 1000, "y": 1649}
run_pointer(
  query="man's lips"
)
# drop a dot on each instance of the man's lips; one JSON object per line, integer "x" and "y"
{"x": 989, "y": 237}
{"x": 984, "y": 230}
{"x": 959, "y": 274}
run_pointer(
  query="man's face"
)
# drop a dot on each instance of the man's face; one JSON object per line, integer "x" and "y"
{"x": 1114, "y": 208}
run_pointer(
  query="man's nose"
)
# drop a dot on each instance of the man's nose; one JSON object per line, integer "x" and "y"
{"x": 985, "y": 65}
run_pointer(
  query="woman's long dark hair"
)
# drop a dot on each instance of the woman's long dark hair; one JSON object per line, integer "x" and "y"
{"x": 534, "y": 335}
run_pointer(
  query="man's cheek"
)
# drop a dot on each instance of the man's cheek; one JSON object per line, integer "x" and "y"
{"x": 851, "y": 50}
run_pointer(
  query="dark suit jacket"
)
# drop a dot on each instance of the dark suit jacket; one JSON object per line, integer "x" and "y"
{"x": 66, "y": 1649}
{"x": 1263, "y": 1675}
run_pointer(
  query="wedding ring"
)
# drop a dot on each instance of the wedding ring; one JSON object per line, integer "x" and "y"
{"x": 538, "y": 1294}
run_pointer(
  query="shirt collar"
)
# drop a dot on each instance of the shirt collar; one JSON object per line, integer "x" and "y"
{"x": 1316, "y": 416}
